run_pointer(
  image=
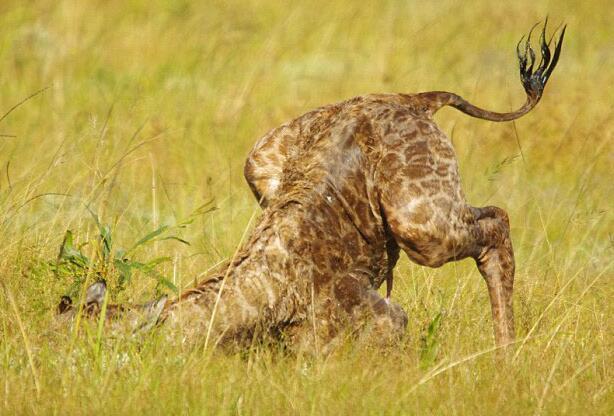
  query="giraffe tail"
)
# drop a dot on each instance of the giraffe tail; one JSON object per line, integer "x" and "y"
{"x": 533, "y": 81}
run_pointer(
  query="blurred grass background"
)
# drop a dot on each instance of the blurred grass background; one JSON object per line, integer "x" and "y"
{"x": 152, "y": 108}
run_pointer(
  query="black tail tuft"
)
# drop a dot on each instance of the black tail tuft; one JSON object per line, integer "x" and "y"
{"x": 534, "y": 82}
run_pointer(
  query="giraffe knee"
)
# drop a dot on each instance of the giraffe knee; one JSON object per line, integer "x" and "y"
{"x": 495, "y": 213}
{"x": 494, "y": 227}
{"x": 496, "y": 252}
{"x": 503, "y": 219}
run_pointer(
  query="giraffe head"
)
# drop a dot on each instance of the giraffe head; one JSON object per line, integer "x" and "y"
{"x": 139, "y": 317}
{"x": 94, "y": 298}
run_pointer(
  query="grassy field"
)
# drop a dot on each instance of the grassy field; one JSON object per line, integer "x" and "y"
{"x": 151, "y": 109}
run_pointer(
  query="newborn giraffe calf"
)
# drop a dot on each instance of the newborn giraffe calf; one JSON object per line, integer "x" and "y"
{"x": 344, "y": 188}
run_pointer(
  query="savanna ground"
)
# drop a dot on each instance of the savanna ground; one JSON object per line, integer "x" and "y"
{"x": 151, "y": 109}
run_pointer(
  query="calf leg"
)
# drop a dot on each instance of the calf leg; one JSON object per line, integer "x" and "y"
{"x": 480, "y": 233}
{"x": 495, "y": 260}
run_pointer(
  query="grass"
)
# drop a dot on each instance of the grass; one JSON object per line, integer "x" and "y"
{"x": 151, "y": 109}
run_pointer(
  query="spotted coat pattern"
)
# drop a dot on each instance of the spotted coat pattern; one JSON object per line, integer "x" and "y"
{"x": 345, "y": 188}
{"x": 406, "y": 193}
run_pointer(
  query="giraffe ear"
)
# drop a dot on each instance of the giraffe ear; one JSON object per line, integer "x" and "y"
{"x": 152, "y": 311}
{"x": 95, "y": 293}
{"x": 65, "y": 305}
{"x": 156, "y": 308}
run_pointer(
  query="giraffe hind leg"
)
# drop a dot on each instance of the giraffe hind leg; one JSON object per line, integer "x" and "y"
{"x": 495, "y": 261}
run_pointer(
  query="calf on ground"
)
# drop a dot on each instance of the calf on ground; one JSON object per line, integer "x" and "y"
{"x": 344, "y": 189}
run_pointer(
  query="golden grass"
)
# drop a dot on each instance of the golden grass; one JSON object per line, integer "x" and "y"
{"x": 151, "y": 110}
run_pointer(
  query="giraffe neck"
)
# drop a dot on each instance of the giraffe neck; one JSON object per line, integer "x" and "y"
{"x": 298, "y": 251}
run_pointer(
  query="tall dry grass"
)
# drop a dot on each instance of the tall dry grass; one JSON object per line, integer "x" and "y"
{"x": 151, "y": 110}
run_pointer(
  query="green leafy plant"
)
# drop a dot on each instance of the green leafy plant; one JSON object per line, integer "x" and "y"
{"x": 430, "y": 342}
{"x": 105, "y": 260}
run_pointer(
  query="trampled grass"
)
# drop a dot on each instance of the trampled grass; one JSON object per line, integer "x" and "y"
{"x": 151, "y": 109}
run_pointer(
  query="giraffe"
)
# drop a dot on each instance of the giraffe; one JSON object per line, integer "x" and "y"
{"x": 430, "y": 182}
{"x": 344, "y": 189}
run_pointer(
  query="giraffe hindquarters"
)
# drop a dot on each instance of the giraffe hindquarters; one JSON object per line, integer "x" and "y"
{"x": 480, "y": 233}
